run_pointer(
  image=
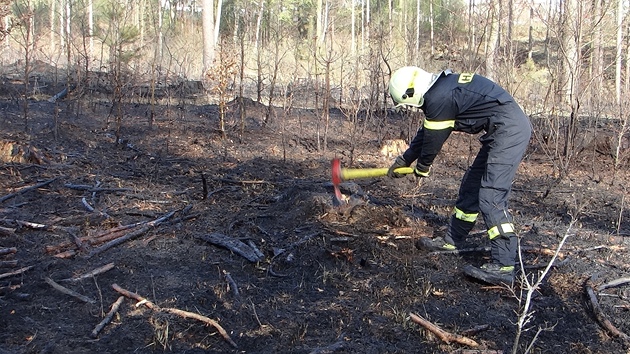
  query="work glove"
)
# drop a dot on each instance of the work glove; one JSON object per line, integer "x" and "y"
{"x": 398, "y": 163}
{"x": 421, "y": 170}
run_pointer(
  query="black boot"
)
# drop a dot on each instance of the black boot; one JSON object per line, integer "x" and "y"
{"x": 501, "y": 269}
{"x": 457, "y": 231}
{"x": 454, "y": 239}
{"x": 492, "y": 273}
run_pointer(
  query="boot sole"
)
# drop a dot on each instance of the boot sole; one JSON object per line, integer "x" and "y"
{"x": 490, "y": 278}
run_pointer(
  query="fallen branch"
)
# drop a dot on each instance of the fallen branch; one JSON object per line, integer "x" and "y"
{"x": 331, "y": 348}
{"x": 92, "y": 209}
{"x": 599, "y": 314}
{"x": 7, "y": 231}
{"x": 15, "y": 272}
{"x": 8, "y": 264}
{"x": 203, "y": 319}
{"x": 69, "y": 291}
{"x": 234, "y": 245}
{"x": 38, "y": 226}
{"x": 6, "y": 289}
{"x": 108, "y": 317}
{"x": 27, "y": 189}
{"x": 90, "y": 274}
{"x": 442, "y": 334}
{"x": 93, "y": 189}
{"x": 131, "y": 235}
{"x": 8, "y": 250}
{"x": 614, "y": 283}
{"x": 232, "y": 283}
{"x": 61, "y": 94}
{"x": 66, "y": 254}
{"x": 99, "y": 238}
{"x": 475, "y": 330}
{"x": 185, "y": 314}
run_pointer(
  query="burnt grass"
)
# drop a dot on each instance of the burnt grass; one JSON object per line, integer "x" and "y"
{"x": 331, "y": 278}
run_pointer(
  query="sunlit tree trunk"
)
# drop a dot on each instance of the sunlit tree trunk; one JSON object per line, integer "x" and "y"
{"x": 597, "y": 61}
{"x": 368, "y": 15}
{"x": 324, "y": 29}
{"x": 362, "y": 25}
{"x": 353, "y": 21}
{"x": 160, "y": 25}
{"x": 432, "y": 25}
{"x": 472, "y": 32}
{"x": 218, "y": 21}
{"x": 618, "y": 61}
{"x": 493, "y": 38}
{"x": 530, "y": 31}
{"x": 318, "y": 24}
{"x": 259, "y": 53}
{"x": 417, "y": 51}
{"x": 208, "y": 35}
{"x": 52, "y": 23}
{"x": 62, "y": 37}
{"x": 390, "y": 14}
{"x": 569, "y": 42}
{"x": 90, "y": 10}
{"x": 627, "y": 85}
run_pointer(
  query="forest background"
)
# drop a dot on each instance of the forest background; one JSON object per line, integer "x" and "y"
{"x": 562, "y": 60}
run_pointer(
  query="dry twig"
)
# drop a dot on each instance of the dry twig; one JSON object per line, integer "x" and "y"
{"x": 8, "y": 250}
{"x": 232, "y": 283}
{"x": 27, "y": 189}
{"x": 442, "y": 334}
{"x": 130, "y": 235}
{"x": 236, "y": 246}
{"x": 93, "y": 189}
{"x": 70, "y": 292}
{"x": 15, "y": 272}
{"x": 108, "y": 317}
{"x": 90, "y": 274}
{"x": 8, "y": 264}
{"x": 185, "y": 314}
{"x": 597, "y": 310}
{"x": 7, "y": 231}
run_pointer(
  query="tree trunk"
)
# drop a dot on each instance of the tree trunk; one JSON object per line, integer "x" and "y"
{"x": 432, "y": 24}
{"x": 618, "y": 62}
{"x": 259, "y": 54}
{"x": 416, "y": 53}
{"x": 52, "y": 23}
{"x": 318, "y": 24}
{"x": 530, "y": 33}
{"x": 90, "y": 55}
{"x": 493, "y": 38}
{"x": 353, "y": 21}
{"x": 218, "y": 21}
{"x": 209, "y": 44}
{"x": 597, "y": 61}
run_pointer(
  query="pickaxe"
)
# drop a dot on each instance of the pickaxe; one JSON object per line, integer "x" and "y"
{"x": 340, "y": 174}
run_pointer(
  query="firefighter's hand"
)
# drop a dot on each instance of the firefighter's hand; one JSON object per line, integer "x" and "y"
{"x": 398, "y": 163}
{"x": 421, "y": 170}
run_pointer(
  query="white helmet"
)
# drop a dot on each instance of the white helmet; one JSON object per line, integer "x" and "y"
{"x": 408, "y": 85}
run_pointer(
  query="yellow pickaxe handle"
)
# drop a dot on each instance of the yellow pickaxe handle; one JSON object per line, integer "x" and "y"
{"x": 353, "y": 173}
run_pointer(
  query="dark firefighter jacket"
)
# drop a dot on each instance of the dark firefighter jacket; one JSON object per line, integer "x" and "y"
{"x": 457, "y": 102}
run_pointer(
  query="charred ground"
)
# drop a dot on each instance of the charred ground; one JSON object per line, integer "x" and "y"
{"x": 331, "y": 279}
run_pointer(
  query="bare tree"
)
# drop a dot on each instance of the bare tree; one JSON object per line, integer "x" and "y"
{"x": 25, "y": 13}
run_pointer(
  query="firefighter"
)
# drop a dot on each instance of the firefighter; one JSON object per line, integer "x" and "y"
{"x": 469, "y": 103}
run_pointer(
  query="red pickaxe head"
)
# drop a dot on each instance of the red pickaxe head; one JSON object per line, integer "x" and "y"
{"x": 343, "y": 174}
